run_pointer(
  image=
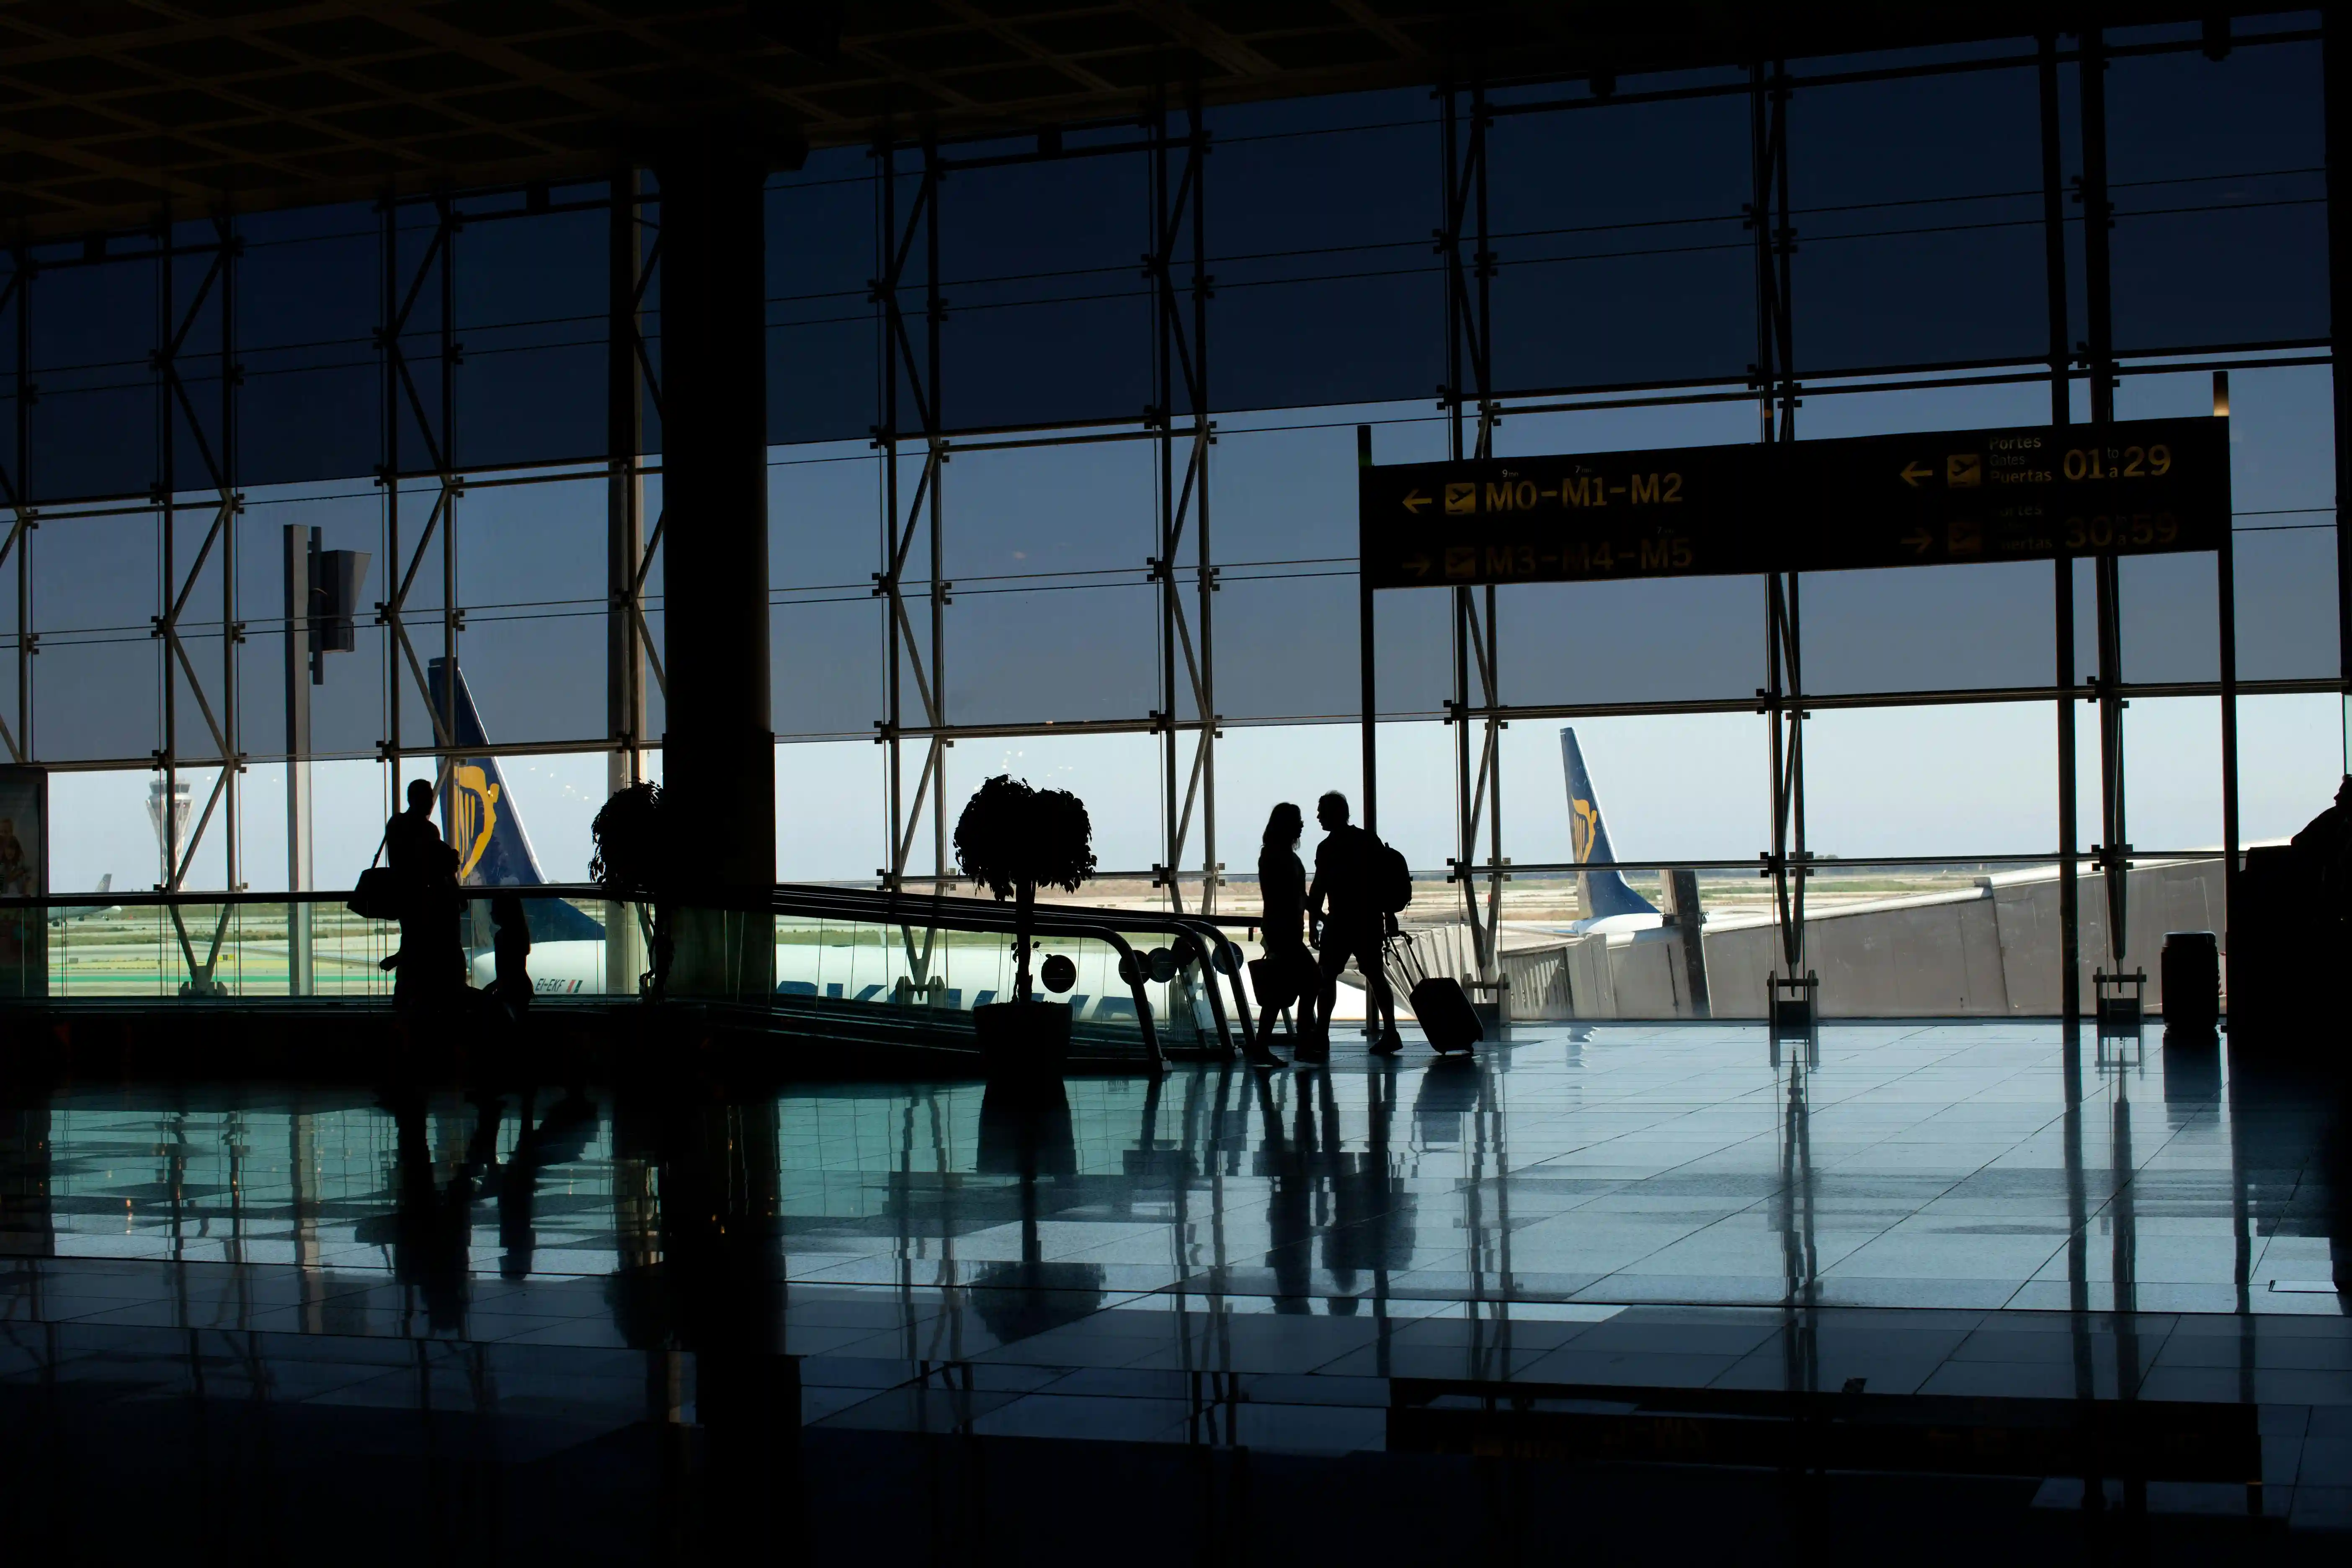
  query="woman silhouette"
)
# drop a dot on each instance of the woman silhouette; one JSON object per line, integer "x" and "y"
{"x": 1289, "y": 968}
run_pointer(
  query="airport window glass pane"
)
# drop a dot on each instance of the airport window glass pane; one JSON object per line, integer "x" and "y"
{"x": 1286, "y": 647}
{"x": 420, "y": 422}
{"x": 1918, "y": 246}
{"x": 1031, "y": 513}
{"x": 1962, "y": 780}
{"x": 1051, "y": 322}
{"x": 1639, "y": 206}
{"x": 1657, "y": 640}
{"x": 830, "y": 821}
{"x": 96, "y": 678}
{"x": 2170, "y": 618}
{"x": 308, "y": 299}
{"x": 1284, "y": 492}
{"x": 93, "y": 427}
{"x": 2218, "y": 179}
{"x": 1684, "y": 787}
{"x": 820, "y": 258}
{"x": 2287, "y": 603}
{"x": 2172, "y": 773}
{"x": 2283, "y": 479}
{"x": 347, "y": 708}
{"x": 1009, "y": 651}
{"x": 1319, "y": 213}
{"x": 1115, "y": 776}
{"x": 823, "y": 503}
{"x": 2290, "y": 761}
{"x": 95, "y": 697}
{"x": 1940, "y": 628}
{"x": 532, "y": 300}
{"x": 825, "y": 666}
{"x": 532, "y": 579}
{"x": 193, "y": 736}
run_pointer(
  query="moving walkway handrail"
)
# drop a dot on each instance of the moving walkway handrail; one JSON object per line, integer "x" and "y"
{"x": 873, "y": 906}
{"x": 942, "y": 910}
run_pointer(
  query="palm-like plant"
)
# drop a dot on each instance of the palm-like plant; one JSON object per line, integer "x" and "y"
{"x": 1013, "y": 840}
{"x": 633, "y": 864}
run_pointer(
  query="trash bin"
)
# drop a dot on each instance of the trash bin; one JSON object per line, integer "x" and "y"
{"x": 2192, "y": 979}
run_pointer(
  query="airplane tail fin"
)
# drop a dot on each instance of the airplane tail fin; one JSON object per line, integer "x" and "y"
{"x": 1605, "y": 892}
{"x": 484, "y": 823}
{"x": 106, "y": 883}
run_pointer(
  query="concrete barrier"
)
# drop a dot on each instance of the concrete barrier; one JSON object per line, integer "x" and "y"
{"x": 1991, "y": 951}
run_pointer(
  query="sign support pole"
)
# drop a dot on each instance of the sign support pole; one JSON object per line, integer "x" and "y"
{"x": 2225, "y": 581}
{"x": 2061, "y": 413}
{"x": 2336, "y": 65}
{"x": 1479, "y": 793}
{"x": 301, "y": 570}
{"x": 2113, "y": 824}
{"x": 1367, "y": 644}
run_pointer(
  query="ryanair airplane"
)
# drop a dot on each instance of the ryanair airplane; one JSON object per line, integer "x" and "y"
{"x": 482, "y": 822}
{"x": 1610, "y": 905}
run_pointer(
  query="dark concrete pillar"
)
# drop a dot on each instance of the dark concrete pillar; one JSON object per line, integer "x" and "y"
{"x": 719, "y": 755}
{"x": 2338, "y": 78}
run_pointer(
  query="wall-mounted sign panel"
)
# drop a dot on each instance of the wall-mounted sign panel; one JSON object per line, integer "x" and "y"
{"x": 1935, "y": 498}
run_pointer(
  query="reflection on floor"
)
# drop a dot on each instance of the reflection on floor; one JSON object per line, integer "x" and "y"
{"x": 1583, "y": 1249}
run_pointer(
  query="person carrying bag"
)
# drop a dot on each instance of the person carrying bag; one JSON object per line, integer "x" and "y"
{"x": 1284, "y": 977}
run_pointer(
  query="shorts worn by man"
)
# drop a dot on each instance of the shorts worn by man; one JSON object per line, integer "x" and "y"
{"x": 1353, "y": 925}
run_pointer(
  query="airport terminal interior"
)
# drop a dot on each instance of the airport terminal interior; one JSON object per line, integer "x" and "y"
{"x": 988, "y": 782}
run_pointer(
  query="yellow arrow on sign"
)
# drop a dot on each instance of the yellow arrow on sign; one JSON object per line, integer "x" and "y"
{"x": 1414, "y": 500}
{"x": 1913, "y": 473}
{"x": 1417, "y": 564}
{"x": 1919, "y": 539}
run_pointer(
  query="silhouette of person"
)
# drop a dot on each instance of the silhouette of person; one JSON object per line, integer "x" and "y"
{"x": 2324, "y": 846}
{"x": 430, "y": 965}
{"x": 1346, "y": 925}
{"x": 1282, "y": 888}
{"x": 511, "y": 948}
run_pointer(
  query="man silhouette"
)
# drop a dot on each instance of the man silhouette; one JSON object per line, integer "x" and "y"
{"x": 431, "y": 962}
{"x": 1352, "y": 929}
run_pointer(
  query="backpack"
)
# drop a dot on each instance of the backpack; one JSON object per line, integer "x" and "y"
{"x": 1391, "y": 888}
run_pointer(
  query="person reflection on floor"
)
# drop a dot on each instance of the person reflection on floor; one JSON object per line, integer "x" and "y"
{"x": 432, "y": 1227}
{"x": 560, "y": 1140}
{"x": 1371, "y": 1230}
{"x": 1288, "y": 1165}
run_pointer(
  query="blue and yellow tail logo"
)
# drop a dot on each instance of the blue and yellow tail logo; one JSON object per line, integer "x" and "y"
{"x": 1583, "y": 826}
{"x": 473, "y": 815}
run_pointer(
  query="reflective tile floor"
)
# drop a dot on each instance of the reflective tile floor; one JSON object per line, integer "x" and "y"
{"x": 1269, "y": 1263}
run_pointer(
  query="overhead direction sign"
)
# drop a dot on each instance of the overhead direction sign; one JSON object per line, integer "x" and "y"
{"x": 1934, "y": 499}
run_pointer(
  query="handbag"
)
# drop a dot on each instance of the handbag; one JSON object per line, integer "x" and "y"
{"x": 1276, "y": 979}
{"x": 377, "y": 897}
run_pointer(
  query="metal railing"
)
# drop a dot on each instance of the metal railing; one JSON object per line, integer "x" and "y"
{"x": 898, "y": 947}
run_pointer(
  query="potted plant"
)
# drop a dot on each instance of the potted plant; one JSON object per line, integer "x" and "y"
{"x": 632, "y": 864}
{"x": 1012, "y": 839}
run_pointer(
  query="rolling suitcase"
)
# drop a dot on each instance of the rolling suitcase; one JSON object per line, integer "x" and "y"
{"x": 1438, "y": 1001}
